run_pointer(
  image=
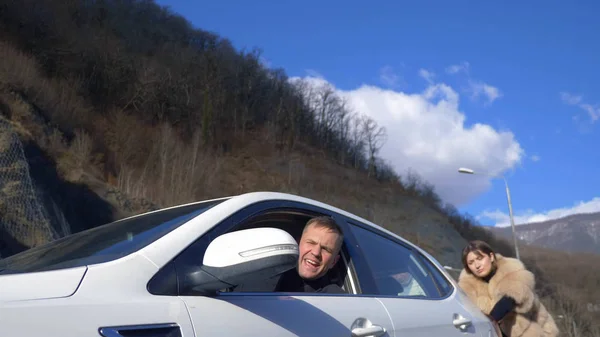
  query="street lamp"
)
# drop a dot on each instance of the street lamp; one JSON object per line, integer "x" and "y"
{"x": 510, "y": 211}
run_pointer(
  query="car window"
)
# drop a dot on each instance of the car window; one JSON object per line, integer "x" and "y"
{"x": 396, "y": 270}
{"x": 293, "y": 222}
{"x": 103, "y": 243}
{"x": 282, "y": 214}
{"x": 444, "y": 285}
{"x": 337, "y": 275}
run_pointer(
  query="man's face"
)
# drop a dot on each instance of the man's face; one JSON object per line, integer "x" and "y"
{"x": 318, "y": 252}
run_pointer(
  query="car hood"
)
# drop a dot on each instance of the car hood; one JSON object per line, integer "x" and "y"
{"x": 40, "y": 285}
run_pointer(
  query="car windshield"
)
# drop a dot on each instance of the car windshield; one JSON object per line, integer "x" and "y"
{"x": 104, "y": 243}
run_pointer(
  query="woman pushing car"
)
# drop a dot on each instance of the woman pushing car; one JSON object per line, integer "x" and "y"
{"x": 504, "y": 289}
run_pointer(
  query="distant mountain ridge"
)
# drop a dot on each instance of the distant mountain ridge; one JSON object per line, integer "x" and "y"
{"x": 578, "y": 233}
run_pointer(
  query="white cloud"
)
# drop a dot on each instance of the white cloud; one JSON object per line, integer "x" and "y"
{"x": 570, "y": 98}
{"x": 477, "y": 88}
{"x": 427, "y": 75}
{"x": 427, "y": 133}
{"x": 388, "y": 76}
{"x": 535, "y": 158}
{"x": 456, "y": 68}
{"x": 314, "y": 73}
{"x": 577, "y": 100}
{"x": 502, "y": 219}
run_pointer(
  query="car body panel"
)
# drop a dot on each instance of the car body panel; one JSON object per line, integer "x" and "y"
{"x": 40, "y": 285}
{"x": 80, "y": 317}
{"x": 111, "y": 294}
{"x": 427, "y": 317}
{"x": 480, "y": 321}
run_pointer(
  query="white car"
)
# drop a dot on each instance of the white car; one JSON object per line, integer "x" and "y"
{"x": 178, "y": 271}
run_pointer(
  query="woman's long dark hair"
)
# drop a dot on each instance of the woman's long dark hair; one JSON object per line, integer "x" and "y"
{"x": 478, "y": 247}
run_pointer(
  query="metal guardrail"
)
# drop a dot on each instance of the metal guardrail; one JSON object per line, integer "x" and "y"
{"x": 452, "y": 269}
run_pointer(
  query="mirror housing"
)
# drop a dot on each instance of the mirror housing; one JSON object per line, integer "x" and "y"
{"x": 236, "y": 257}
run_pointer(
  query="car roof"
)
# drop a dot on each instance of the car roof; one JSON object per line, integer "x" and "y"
{"x": 266, "y": 195}
{"x": 253, "y": 197}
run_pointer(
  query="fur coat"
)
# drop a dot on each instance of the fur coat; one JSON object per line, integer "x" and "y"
{"x": 529, "y": 318}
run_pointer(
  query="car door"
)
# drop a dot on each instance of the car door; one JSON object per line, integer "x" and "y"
{"x": 419, "y": 304}
{"x": 268, "y": 314}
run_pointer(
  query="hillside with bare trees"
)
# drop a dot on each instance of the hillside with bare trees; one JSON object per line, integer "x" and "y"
{"x": 111, "y": 108}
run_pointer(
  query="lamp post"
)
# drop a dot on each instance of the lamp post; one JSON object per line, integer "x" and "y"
{"x": 510, "y": 211}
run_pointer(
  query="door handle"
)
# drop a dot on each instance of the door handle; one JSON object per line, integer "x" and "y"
{"x": 461, "y": 322}
{"x": 170, "y": 329}
{"x": 373, "y": 330}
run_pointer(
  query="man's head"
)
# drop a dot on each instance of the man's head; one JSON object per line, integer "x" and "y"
{"x": 319, "y": 247}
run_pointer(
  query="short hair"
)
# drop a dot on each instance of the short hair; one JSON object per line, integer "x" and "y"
{"x": 478, "y": 247}
{"x": 326, "y": 222}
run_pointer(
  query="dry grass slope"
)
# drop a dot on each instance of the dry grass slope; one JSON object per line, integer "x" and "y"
{"x": 569, "y": 286}
{"x": 152, "y": 162}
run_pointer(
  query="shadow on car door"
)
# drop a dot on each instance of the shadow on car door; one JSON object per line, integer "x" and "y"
{"x": 269, "y": 314}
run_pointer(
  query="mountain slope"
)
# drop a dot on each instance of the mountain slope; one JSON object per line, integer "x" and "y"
{"x": 579, "y": 233}
{"x": 69, "y": 190}
{"x": 129, "y": 107}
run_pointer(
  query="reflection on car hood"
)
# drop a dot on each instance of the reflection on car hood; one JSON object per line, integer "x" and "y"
{"x": 40, "y": 285}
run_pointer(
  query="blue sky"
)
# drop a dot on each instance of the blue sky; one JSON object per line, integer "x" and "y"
{"x": 526, "y": 72}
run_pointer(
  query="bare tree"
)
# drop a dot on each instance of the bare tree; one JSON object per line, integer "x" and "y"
{"x": 375, "y": 137}
{"x": 357, "y": 139}
{"x": 344, "y": 129}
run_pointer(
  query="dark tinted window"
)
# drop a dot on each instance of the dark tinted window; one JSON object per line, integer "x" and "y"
{"x": 103, "y": 243}
{"x": 396, "y": 269}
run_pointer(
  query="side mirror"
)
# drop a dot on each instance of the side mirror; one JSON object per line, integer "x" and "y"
{"x": 237, "y": 257}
